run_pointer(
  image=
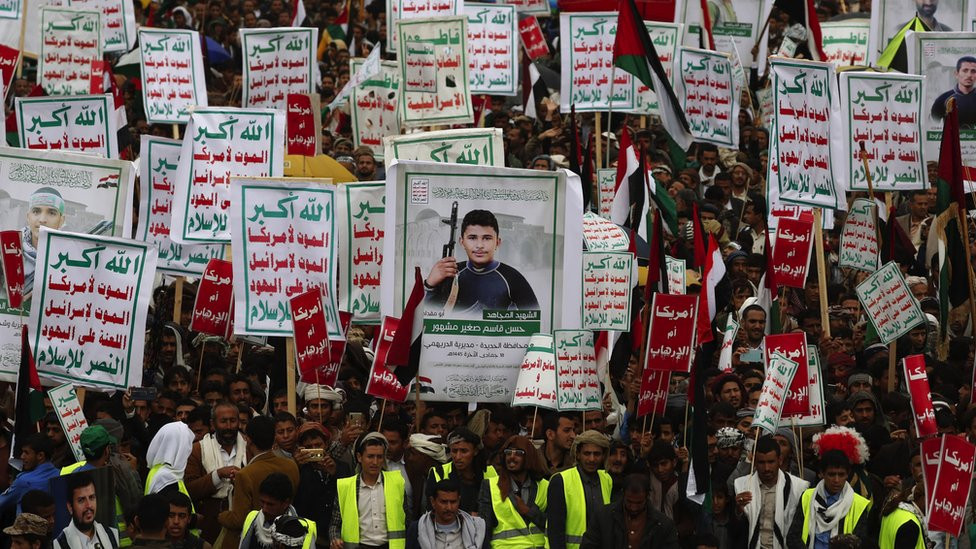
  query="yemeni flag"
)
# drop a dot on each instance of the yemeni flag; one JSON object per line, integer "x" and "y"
{"x": 404, "y": 354}
{"x": 588, "y": 172}
{"x": 633, "y": 52}
{"x": 298, "y": 13}
{"x": 575, "y": 163}
{"x": 535, "y": 91}
{"x": 708, "y": 299}
{"x": 628, "y": 198}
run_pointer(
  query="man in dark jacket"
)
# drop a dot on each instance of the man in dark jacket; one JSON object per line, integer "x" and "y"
{"x": 630, "y": 521}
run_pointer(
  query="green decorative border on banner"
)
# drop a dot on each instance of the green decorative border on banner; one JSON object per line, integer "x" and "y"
{"x": 189, "y": 188}
{"x": 849, "y": 112}
{"x": 193, "y": 70}
{"x": 462, "y": 21}
{"x": 288, "y": 30}
{"x": 830, "y": 158}
{"x": 64, "y": 99}
{"x": 349, "y": 230}
{"x": 134, "y": 304}
{"x": 322, "y": 190}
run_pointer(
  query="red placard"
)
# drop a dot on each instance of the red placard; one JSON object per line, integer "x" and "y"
{"x": 382, "y": 383}
{"x": 794, "y": 347}
{"x": 13, "y": 267}
{"x": 212, "y": 307}
{"x": 953, "y": 480}
{"x": 791, "y": 254}
{"x": 532, "y": 38}
{"x": 918, "y": 388}
{"x": 312, "y": 350}
{"x": 653, "y": 398}
{"x": 930, "y": 453}
{"x": 672, "y": 332}
{"x": 8, "y": 64}
{"x": 337, "y": 347}
{"x": 300, "y": 124}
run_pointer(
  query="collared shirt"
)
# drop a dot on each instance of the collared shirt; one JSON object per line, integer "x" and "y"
{"x": 592, "y": 492}
{"x": 76, "y": 539}
{"x": 767, "y": 516}
{"x": 227, "y": 460}
{"x": 372, "y": 512}
{"x": 448, "y": 536}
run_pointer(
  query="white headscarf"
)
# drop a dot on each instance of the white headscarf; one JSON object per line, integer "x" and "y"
{"x": 170, "y": 448}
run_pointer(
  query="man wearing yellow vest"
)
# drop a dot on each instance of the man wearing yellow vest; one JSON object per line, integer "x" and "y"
{"x": 831, "y": 509}
{"x": 467, "y": 467}
{"x": 371, "y": 507}
{"x": 275, "y": 495}
{"x": 576, "y": 494}
{"x": 514, "y": 504}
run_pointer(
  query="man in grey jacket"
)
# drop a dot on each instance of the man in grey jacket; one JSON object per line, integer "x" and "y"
{"x": 446, "y": 526}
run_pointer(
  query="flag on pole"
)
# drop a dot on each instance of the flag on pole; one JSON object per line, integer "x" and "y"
{"x": 633, "y": 52}
{"x": 369, "y": 69}
{"x": 713, "y": 274}
{"x": 404, "y": 354}
{"x": 628, "y": 164}
{"x": 535, "y": 91}
{"x": 298, "y": 13}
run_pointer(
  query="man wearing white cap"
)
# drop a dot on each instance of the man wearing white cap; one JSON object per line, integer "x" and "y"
{"x": 320, "y": 402}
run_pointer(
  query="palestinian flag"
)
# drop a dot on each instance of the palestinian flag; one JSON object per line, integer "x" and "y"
{"x": 665, "y": 204}
{"x": 633, "y": 52}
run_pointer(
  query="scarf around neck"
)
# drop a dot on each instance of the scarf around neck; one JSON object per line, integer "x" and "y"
{"x": 826, "y": 518}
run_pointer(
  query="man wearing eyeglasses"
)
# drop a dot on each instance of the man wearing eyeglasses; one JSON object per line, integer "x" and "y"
{"x": 514, "y": 504}
{"x": 83, "y": 532}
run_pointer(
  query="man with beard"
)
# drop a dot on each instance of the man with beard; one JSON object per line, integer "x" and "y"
{"x": 211, "y": 468}
{"x": 576, "y": 494}
{"x": 83, "y": 531}
{"x": 514, "y": 504}
{"x": 631, "y": 522}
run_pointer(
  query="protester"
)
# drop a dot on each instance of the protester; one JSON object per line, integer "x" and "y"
{"x": 27, "y": 532}
{"x": 630, "y": 521}
{"x": 37, "y": 471}
{"x": 446, "y": 525}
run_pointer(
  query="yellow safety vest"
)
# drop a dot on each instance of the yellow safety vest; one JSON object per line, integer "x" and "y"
{"x": 511, "y": 530}
{"x": 179, "y": 486}
{"x": 308, "y": 524}
{"x": 576, "y": 504}
{"x": 444, "y": 471}
{"x": 124, "y": 539}
{"x": 396, "y": 519}
{"x": 895, "y": 520}
{"x": 858, "y": 507}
